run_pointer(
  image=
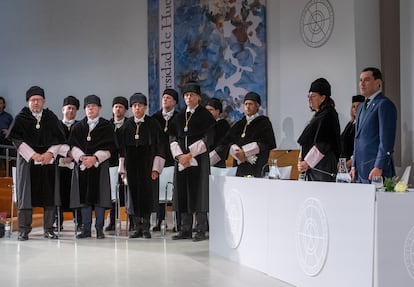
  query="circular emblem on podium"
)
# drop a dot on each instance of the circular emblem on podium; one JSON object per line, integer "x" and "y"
{"x": 234, "y": 218}
{"x": 312, "y": 237}
{"x": 316, "y": 23}
{"x": 409, "y": 252}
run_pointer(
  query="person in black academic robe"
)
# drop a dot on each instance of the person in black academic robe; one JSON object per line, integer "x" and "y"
{"x": 37, "y": 135}
{"x": 249, "y": 140}
{"x": 348, "y": 134}
{"x": 119, "y": 110}
{"x": 320, "y": 140}
{"x": 65, "y": 162}
{"x": 164, "y": 117}
{"x": 192, "y": 132}
{"x": 142, "y": 158}
{"x": 91, "y": 141}
{"x": 215, "y": 107}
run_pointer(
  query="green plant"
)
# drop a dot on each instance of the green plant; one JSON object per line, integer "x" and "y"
{"x": 389, "y": 183}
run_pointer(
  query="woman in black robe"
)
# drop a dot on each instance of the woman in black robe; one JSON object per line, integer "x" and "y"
{"x": 320, "y": 140}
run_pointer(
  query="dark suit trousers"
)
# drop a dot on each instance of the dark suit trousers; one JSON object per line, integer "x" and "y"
{"x": 187, "y": 222}
{"x": 87, "y": 217}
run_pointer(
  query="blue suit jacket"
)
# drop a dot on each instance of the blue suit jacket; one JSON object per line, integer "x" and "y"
{"x": 375, "y": 138}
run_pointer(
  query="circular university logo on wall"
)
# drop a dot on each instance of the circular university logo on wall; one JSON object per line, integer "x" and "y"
{"x": 234, "y": 219}
{"x": 409, "y": 252}
{"x": 312, "y": 237}
{"x": 316, "y": 23}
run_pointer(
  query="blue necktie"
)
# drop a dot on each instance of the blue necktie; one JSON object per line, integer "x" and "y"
{"x": 364, "y": 108}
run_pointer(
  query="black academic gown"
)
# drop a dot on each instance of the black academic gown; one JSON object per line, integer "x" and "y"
{"x": 259, "y": 130}
{"x": 323, "y": 131}
{"x": 139, "y": 157}
{"x": 92, "y": 186}
{"x": 65, "y": 175}
{"x": 347, "y": 140}
{"x": 169, "y": 161}
{"x": 191, "y": 186}
{"x": 114, "y": 161}
{"x": 221, "y": 129}
{"x": 36, "y": 185}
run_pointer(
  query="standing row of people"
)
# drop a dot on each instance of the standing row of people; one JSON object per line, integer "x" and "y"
{"x": 67, "y": 163}
{"x": 97, "y": 156}
{"x": 367, "y": 141}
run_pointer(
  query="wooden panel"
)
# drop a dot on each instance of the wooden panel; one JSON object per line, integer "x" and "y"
{"x": 287, "y": 157}
{"x": 6, "y": 185}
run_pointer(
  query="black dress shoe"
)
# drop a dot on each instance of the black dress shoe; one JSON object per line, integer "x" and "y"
{"x": 84, "y": 234}
{"x": 110, "y": 227}
{"x": 23, "y": 236}
{"x": 200, "y": 236}
{"x": 182, "y": 235}
{"x": 135, "y": 234}
{"x": 146, "y": 234}
{"x": 50, "y": 234}
{"x": 156, "y": 228}
{"x": 100, "y": 234}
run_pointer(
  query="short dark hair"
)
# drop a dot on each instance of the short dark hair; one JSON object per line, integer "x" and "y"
{"x": 3, "y": 99}
{"x": 376, "y": 73}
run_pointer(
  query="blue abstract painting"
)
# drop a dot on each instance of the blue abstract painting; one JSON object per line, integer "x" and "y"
{"x": 220, "y": 44}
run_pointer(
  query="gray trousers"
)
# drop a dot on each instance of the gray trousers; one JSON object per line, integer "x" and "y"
{"x": 25, "y": 219}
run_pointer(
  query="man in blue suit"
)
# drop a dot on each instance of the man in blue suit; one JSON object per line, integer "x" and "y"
{"x": 375, "y": 130}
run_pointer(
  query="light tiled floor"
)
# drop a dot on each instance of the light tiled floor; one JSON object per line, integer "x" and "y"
{"x": 118, "y": 261}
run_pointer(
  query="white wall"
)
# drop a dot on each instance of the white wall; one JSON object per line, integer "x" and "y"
{"x": 407, "y": 82}
{"x": 297, "y": 65}
{"x": 72, "y": 47}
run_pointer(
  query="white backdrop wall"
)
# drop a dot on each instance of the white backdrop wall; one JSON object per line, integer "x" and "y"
{"x": 407, "y": 81}
{"x": 99, "y": 46}
{"x": 349, "y": 48}
{"x": 72, "y": 47}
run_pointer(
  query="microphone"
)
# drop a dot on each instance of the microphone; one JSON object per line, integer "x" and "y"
{"x": 323, "y": 171}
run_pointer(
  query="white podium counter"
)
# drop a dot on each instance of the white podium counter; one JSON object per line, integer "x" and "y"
{"x": 314, "y": 233}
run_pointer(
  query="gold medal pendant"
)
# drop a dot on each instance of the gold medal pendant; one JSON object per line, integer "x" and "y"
{"x": 88, "y": 138}
{"x": 136, "y": 136}
{"x": 37, "y": 126}
{"x": 188, "y": 116}
{"x": 244, "y": 130}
